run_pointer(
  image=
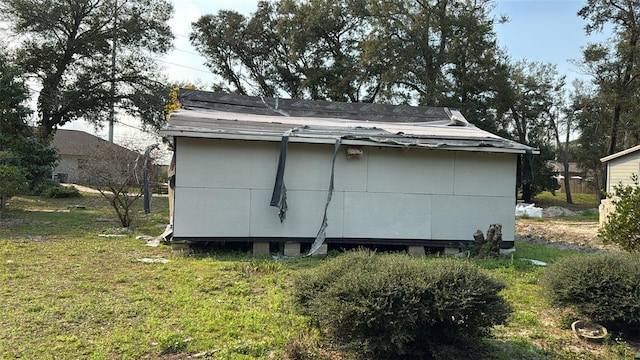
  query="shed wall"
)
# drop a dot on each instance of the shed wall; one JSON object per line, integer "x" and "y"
{"x": 620, "y": 170}
{"x": 223, "y": 189}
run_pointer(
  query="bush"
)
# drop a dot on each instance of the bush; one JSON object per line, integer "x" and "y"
{"x": 622, "y": 226}
{"x": 395, "y": 305}
{"x": 602, "y": 287}
{"x": 53, "y": 189}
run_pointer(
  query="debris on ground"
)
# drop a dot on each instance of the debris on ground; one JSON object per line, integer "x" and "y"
{"x": 151, "y": 240}
{"x": 528, "y": 210}
{"x": 534, "y": 262}
{"x": 555, "y": 211}
{"x": 154, "y": 260}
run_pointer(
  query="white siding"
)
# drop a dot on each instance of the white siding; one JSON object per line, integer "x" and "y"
{"x": 211, "y": 212}
{"x": 387, "y": 215}
{"x": 223, "y": 189}
{"x": 621, "y": 169}
{"x": 304, "y": 219}
{"x": 417, "y": 171}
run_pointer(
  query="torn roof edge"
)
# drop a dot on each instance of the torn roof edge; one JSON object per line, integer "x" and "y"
{"x": 482, "y": 144}
{"x": 232, "y": 116}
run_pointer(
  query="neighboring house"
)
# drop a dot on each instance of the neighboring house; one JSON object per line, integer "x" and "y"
{"x": 578, "y": 182}
{"x": 75, "y": 147}
{"x": 620, "y": 168}
{"x": 296, "y": 172}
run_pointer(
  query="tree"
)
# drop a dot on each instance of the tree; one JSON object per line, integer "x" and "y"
{"x": 593, "y": 116}
{"x": 535, "y": 94}
{"x": 297, "y": 49}
{"x": 89, "y": 56}
{"x": 440, "y": 53}
{"x": 615, "y": 66}
{"x": 437, "y": 53}
{"x": 117, "y": 173}
{"x": 34, "y": 157}
{"x": 12, "y": 178}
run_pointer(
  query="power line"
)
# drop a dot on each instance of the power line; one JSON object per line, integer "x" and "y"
{"x": 187, "y": 52}
{"x": 136, "y": 128}
{"x": 186, "y": 67}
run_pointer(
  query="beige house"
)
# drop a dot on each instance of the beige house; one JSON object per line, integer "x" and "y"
{"x": 314, "y": 175}
{"x": 75, "y": 147}
{"x": 620, "y": 168}
{"x": 579, "y": 183}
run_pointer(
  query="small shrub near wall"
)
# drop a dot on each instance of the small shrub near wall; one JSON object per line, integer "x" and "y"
{"x": 601, "y": 287}
{"x": 398, "y": 306}
{"x": 621, "y": 216}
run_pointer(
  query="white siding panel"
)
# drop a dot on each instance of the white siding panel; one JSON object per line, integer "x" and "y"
{"x": 417, "y": 171}
{"x": 309, "y": 168}
{"x": 484, "y": 174}
{"x": 304, "y": 215}
{"x": 226, "y": 164}
{"x": 350, "y": 174}
{"x": 458, "y": 217}
{"x": 212, "y": 212}
{"x": 387, "y": 215}
{"x": 621, "y": 170}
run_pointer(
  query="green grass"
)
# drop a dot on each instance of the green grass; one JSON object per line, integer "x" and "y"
{"x": 66, "y": 290}
{"x": 581, "y": 202}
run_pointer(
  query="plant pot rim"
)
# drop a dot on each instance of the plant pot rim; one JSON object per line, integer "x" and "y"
{"x": 589, "y": 330}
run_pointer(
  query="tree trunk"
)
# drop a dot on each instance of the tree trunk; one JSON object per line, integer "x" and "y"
{"x": 3, "y": 206}
{"x": 567, "y": 182}
{"x": 564, "y": 150}
{"x": 614, "y": 130}
{"x": 526, "y": 192}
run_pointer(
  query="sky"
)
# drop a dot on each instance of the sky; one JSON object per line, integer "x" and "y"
{"x": 547, "y": 31}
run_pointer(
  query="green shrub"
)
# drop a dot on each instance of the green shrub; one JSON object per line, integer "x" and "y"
{"x": 13, "y": 182}
{"x": 53, "y": 189}
{"x": 601, "y": 287}
{"x": 396, "y": 305}
{"x": 622, "y": 226}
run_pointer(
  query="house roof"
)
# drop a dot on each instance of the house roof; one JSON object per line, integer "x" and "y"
{"x": 620, "y": 154}
{"x": 79, "y": 143}
{"x": 230, "y": 116}
{"x": 573, "y": 167}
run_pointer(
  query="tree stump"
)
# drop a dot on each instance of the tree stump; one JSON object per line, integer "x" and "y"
{"x": 490, "y": 245}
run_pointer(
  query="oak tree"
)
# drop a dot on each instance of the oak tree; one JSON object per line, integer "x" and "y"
{"x": 88, "y": 56}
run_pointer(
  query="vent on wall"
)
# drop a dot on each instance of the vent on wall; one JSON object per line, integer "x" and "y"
{"x": 354, "y": 152}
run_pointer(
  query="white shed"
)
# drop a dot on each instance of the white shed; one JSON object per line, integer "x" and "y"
{"x": 298, "y": 172}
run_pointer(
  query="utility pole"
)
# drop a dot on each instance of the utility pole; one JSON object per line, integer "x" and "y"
{"x": 112, "y": 113}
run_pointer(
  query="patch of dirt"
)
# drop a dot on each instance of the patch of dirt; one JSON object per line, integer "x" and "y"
{"x": 562, "y": 234}
{"x": 82, "y": 188}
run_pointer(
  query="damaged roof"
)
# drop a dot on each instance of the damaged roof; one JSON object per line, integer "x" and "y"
{"x": 230, "y": 116}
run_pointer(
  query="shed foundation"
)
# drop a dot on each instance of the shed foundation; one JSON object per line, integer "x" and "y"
{"x": 292, "y": 249}
{"x": 260, "y": 248}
